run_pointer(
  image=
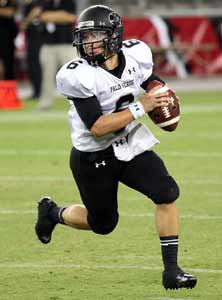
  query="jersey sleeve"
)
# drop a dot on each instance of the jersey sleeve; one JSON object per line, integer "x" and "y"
{"x": 76, "y": 80}
{"x": 141, "y": 52}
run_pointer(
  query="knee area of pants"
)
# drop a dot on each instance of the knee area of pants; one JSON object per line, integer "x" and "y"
{"x": 168, "y": 191}
{"x": 105, "y": 227}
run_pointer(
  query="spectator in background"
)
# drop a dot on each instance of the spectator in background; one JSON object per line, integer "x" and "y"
{"x": 33, "y": 28}
{"x": 216, "y": 23}
{"x": 58, "y": 17}
{"x": 8, "y": 32}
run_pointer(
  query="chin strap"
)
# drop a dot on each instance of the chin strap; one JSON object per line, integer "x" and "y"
{"x": 99, "y": 60}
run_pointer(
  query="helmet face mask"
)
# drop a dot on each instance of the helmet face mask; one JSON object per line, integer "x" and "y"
{"x": 98, "y": 34}
{"x": 91, "y": 43}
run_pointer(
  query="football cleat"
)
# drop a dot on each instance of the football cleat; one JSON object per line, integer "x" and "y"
{"x": 44, "y": 225}
{"x": 177, "y": 279}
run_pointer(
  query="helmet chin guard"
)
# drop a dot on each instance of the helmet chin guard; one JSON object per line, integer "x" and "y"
{"x": 98, "y": 18}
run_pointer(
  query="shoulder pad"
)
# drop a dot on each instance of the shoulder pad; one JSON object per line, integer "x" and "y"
{"x": 76, "y": 79}
{"x": 139, "y": 50}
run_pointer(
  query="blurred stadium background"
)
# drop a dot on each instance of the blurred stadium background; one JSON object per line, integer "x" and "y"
{"x": 185, "y": 38}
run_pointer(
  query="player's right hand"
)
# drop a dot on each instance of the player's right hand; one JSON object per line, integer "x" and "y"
{"x": 151, "y": 100}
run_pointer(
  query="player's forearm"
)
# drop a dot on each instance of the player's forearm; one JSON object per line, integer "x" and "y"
{"x": 115, "y": 121}
{"x": 58, "y": 17}
{"x": 111, "y": 123}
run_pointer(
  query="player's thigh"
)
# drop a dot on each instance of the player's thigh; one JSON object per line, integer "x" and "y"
{"x": 148, "y": 174}
{"x": 97, "y": 181}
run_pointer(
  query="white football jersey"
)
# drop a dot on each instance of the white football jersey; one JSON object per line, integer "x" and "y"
{"x": 79, "y": 79}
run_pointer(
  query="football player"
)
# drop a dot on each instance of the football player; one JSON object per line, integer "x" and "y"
{"x": 109, "y": 146}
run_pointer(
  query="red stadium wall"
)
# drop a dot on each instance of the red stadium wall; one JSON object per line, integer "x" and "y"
{"x": 180, "y": 45}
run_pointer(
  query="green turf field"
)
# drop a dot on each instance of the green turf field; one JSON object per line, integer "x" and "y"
{"x": 126, "y": 264}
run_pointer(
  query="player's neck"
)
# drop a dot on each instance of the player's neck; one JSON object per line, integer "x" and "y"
{"x": 111, "y": 63}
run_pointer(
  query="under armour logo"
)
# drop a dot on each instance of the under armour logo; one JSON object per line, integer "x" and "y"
{"x": 131, "y": 70}
{"x": 120, "y": 142}
{"x": 103, "y": 163}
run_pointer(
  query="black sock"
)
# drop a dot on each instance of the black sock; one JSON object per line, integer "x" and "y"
{"x": 55, "y": 214}
{"x": 169, "y": 247}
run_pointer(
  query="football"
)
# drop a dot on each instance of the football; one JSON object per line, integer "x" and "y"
{"x": 166, "y": 117}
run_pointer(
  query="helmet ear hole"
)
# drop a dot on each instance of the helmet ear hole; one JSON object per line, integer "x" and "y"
{"x": 115, "y": 19}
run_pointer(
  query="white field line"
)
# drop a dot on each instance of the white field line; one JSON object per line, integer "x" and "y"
{"x": 200, "y": 135}
{"x": 30, "y": 178}
{"x": 9, "y": 117}
{"x": 192, "y": 154}
{"x": 201, "y": 108}
{"x": 6, "y": 117}
{"x": 190, "y": 216}
{"x": 41, "y": 152}
{"x": 201, "y": 181}
{"x": 21, "y": 179}
{"x": 204, "y": 193}
{"x": 212, "y": 194}
{"x": 122, "y": 214}
{"x": 206, "y": 136}
{"x": 42, "y": 265}
{"x": 166, "y": 298}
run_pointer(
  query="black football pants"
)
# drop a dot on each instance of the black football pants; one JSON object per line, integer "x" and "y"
{"x": 97, "y": 175}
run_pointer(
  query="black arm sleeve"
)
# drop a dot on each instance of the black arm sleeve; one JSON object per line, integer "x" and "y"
{"x": 152, "y": 77}
{"x": 89, "y": 110}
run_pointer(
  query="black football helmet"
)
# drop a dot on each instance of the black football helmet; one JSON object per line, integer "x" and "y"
{"x": 98, "y": 18}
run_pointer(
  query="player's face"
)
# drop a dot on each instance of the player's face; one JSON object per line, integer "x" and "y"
{"x": 93, "y": 42}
